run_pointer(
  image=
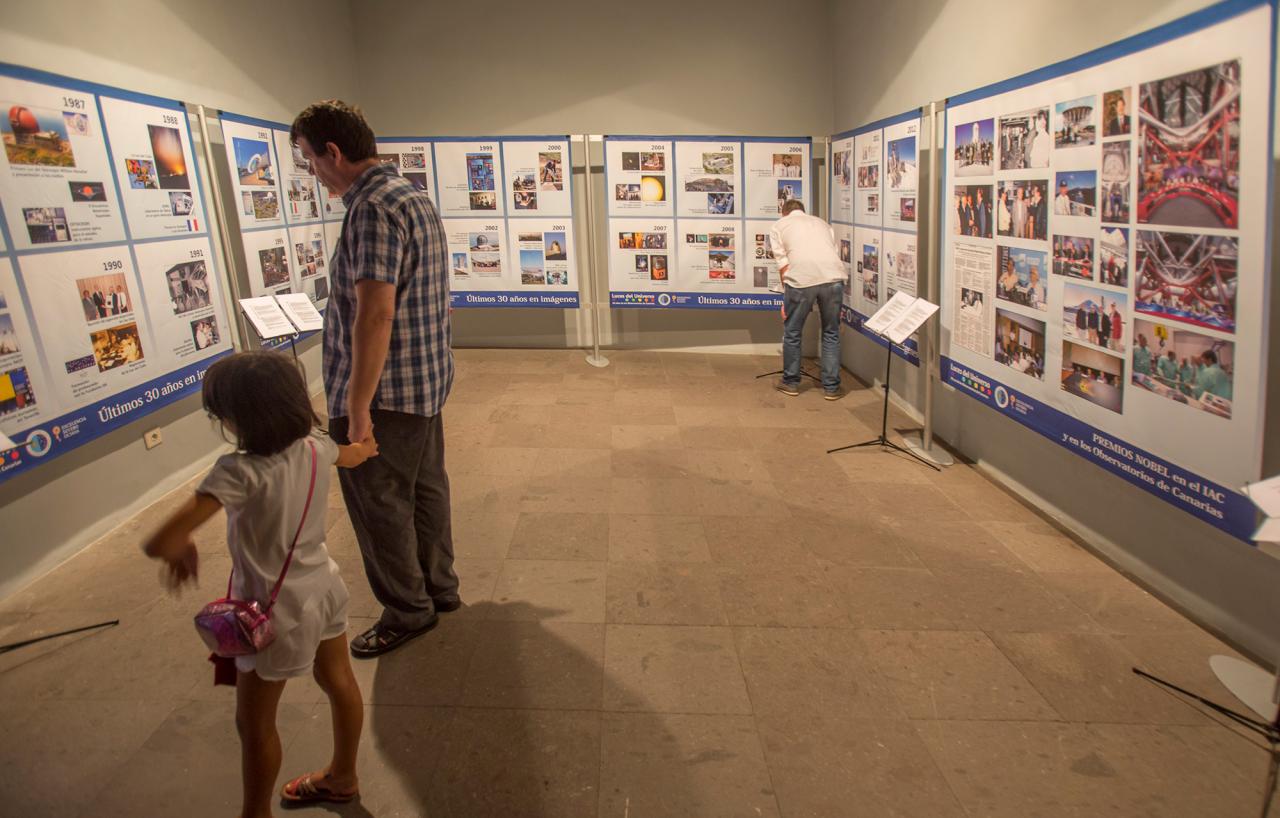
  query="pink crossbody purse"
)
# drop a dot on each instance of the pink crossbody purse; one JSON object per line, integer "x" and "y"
{"x": 239, "y": 627}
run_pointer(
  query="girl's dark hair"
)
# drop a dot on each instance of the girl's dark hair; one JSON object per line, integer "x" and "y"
{"x": 263, "y": 397}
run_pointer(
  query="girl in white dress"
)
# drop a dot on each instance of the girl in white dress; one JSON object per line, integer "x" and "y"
{"x": 265, "y": 487}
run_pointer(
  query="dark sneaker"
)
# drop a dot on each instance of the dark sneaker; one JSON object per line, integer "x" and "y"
{"x": 832, "y": 394}
{"x": 447, "y": 605}
{"x": 382, "y": 639}
{"x": 791, "y": 389}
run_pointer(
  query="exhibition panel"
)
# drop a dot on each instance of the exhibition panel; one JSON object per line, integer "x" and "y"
{"x": 109, "y": 300}
{"x": 1105, "y": 255}
{"x": 507, "y": 207}
{"x": 874, "y": 188}
{"x": 689, "y": 218}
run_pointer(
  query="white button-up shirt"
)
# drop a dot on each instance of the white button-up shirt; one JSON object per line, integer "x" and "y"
{"x": 805, "y": 246}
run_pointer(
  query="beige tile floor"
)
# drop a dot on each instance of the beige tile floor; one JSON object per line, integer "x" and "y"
{"x": 677, "y": 605}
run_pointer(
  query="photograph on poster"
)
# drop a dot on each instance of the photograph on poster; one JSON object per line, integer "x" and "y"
{"x": 413, "y": 160}
{"x": 1020, "y": 343}
{"x": 46, "y": 225}
{"x": 392, "y": 159}
{"x": 720, "y": 241}
{"x": 188, "y": 286}
{"x": 1095, "y": 316}
{"x": 907, "y": 209}
{"x": 1115, "y": 181}
{"x": 900, "y": 169}
{"x": 104, "y": 296}
{"x": 788, "y": 165}
{"x": 846, "y": 251}
{"x": 171, "y": 161}
{"x": 204, "y": 332}
{"x": 460, "y": 265}
{"x": 1093, "y": 375}
{"x": 321, "y": 287}
{"x": 870, "y": 259}
{"x": 721, "y": 163}
{"x": 483, "y": 201}
{"x": 873, "y": 203}
{"x": 630, "y": 160}
{"x": 788, "y": 191}
{"x": 971, "y": 303}
{"x": 77, "y": 123}
{"x": 1115, "y": 113}
{"x": 180, "y": 202}
{"x": 1073, "y": 123}
{"x": 480, "y": 171}
{"x": 1077, "y": 193}
{"x": 1189, "y": 144}
{"x": 486, "y": 262}
{"x": 642, "y": 263}
{"x": 532, "y": 268}
{"x": 652, "y": 241}
{"x": 274, "y": 267}
{"x": 36, "y": 136}
{"x": 554, "y": 246}
{"x": 1113, "y": 256}
{"x": 1184, "y": 366}
{"x": 522, "y": 200}
{"x": 655, "y": 160}
{"x": 707, "y": 184}
{"x": 142, "y": 174}
{"x": 309, "y": 256}
{"x": 558, "y": 277}
{"x": 246, "y": 203}
{"x": 523, "y": 181}
{"x": 551, "y": 170}
{"x": 266, "y": 205}
{"x": 1022, "y": 275}
{"x": 764, "y": 249}
{"x": 116, "y": 346}
{"x": 1022, "y": 211}
{"x": 88, "y": 191}
{"x": 722, "y": 264}
{"x": 870, "y": 285}
{"x": 720, "y": 204}
{"x": 841, "y": 168}
{"x": 15, "y": 390}
{"x": 253, "y": 162}
{"x": 653, "y": 188}
{"x": 1073, "y": 256}
{"x": 1025, "y": 141}
{"x": 869, "y": 176}
{"x": 972, "y": 206}
{"x": 300, "y": 164}
{"x": 626, "y": 193}
{"x": 484, "y": 242}
{"x": 417, "y": 179}
{"x": 658, "y": 268}
{"x": 759, "y": 276}
{"x": 9, "y": 335}
{"x": 975, "y": 148}
{"x": 1188, "y": 278}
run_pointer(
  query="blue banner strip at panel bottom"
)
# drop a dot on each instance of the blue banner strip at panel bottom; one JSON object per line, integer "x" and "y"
{"x": 77, "y": 428}
{"x": 1216, "y": 505}
{"x": 908, "y": 351}
{"x": 493, "y": 298}
{"x": 697, "y": 301}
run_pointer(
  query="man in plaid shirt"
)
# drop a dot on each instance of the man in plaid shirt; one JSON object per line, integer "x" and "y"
{"x": 387, "y": 370}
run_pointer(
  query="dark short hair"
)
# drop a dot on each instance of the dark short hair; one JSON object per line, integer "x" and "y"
{"x": 1210, "y": 356}
{"x": 332, "y": 120}
{"x": 263, "y": 397}
{"x": 791, "y": 206}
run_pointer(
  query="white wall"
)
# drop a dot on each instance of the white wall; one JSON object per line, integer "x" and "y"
{"x": 929, "y": 50}
{"x": 584, "y": 66}
{"x": 257, "y": 58}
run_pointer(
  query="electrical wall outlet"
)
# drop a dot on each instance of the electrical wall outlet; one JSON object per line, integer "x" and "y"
{"x": 152, "y": 437}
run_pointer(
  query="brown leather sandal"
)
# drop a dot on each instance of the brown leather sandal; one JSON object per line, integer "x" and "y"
{"x": 308, "y": 790}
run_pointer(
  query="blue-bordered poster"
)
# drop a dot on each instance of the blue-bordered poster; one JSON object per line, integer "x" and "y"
{"x": 689, "y": 218}
{"x": 110, "y": 304}
{"x": 1104, "y": 276}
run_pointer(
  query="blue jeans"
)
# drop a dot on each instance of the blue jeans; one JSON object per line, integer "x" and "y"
{"x": 798, "y": 303}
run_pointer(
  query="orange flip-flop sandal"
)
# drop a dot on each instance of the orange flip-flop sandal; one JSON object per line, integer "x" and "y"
{"x": 306, "y": 790}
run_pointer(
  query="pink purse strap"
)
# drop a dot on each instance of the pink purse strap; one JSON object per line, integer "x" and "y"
{"x": 288, "y": 559}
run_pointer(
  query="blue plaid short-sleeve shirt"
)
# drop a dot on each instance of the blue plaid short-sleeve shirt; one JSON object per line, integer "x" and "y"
{"x": 392, "y": 233}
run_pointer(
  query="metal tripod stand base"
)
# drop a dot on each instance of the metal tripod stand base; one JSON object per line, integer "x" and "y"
{"x": 888, "y": 444}
{"x": 598, "y": 361}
